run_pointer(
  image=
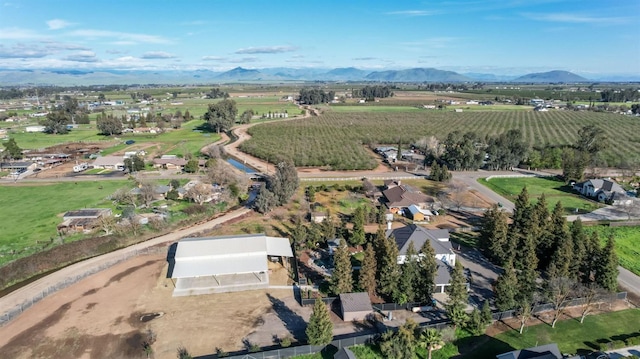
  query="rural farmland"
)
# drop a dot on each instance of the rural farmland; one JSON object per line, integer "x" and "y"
{"x": 338, "y": 140}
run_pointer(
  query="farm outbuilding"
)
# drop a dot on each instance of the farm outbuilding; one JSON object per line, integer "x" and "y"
{"x": 355, "y": 306}
{"x": 225, "y": 264}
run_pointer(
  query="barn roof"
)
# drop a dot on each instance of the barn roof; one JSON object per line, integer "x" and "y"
{"x": 210, "y": 256}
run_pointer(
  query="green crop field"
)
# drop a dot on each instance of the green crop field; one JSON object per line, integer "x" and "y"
{"x": 30, "y": 213}
{"x": 554, "y": 190}
{"x": 338, "y": 140}
{"x": 627, "y": 244}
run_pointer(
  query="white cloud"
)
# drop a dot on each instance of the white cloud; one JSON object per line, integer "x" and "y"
{"x": 214, "y": 58}
{"x": 120, "y": 36}
{"x": 266, "y": 50}
{"x": 57, "y": 24}
{"x": 413, "y": 13}
{"x": 157, "y": 55}
{"x": 21, "y": 51}
{"x": 577, "y": 18}
{"x": 14, "y": 33}
{"x": 82, "y": 56}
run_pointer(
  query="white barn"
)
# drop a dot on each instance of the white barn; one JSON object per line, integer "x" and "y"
{"x": 225, "y": 264}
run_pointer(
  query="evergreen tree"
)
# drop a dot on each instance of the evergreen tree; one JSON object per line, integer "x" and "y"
{"x": 401, "y": 344}
{"x": 606, "y": 273}
{"x": 592, "y": 252}
{"x": 435, "y": 171}
{"x": 367, "y": 276}
{"x": 521, "y": 213}
{"x": 320, "y": 329}
{"x": 475, "y": 324}
{"x": 390, "y": 272}
{"x": 579, "y": 240}
{"x": 494, "y": 235}
{"x": 506, "y": 289}
{"x": 458, "y": 296}
{"x": 485, "y": 313}
{"x": 540, "y": 230}
{"x": 408, "y": 279}
{"x": 342, "y": 275}
{"x": 11, "y": 150}
{"x": 427, "y": 270}
{"x": 357, "y": 235}
{"x": 527, "y": 274}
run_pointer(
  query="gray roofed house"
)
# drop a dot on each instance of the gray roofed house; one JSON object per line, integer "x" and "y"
{"x": 344, "y": 353}
{"x": 438, "y": 238}
{"x": 91, "y": 213}
{"x": 548, "y": 351}
{"x": 443, "y": 276}
{"x": 603, "y": 190}
{"x": 109, "y": 162}
{"x": 355, "y": 306}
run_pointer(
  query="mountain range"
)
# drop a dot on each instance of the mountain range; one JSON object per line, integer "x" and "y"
{"x": 10, "y": 77}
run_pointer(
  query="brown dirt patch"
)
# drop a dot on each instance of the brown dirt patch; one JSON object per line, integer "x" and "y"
{"x": 99, "y": 317}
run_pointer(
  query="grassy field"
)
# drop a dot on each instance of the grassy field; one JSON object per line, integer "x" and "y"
{"x": 570, "y": 335}
{"x": 627, "y": 244}
{"x": 554, "y": 191}
{"x": 86, "y": 133}
{"x": 338, "y": 140}
{"x": 31, "y": 213}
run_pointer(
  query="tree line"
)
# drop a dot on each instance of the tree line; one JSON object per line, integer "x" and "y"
{"x": 372, "y": 92}
{"x": 545, "y": 259}
{"x": 314, "y": 96}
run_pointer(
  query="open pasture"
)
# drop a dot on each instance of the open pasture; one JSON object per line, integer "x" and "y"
{"x": 627, "y": 239}
{"x": 338, "y": 140}
{"x": 31, "y": 212}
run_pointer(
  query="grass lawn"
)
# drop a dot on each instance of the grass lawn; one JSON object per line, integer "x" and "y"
{"x": 627, "y": 240}
{"x": 31, "y": 213}
{"x": 86, "y": 133}
{"x": 553, "y": 189}
{"x": 570, "y": 335}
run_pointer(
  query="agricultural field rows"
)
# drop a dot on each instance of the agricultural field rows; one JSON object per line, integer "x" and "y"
{"x": 338, "y": 140}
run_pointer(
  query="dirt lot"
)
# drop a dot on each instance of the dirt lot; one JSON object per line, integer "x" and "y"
{"x": 100, "y": 317}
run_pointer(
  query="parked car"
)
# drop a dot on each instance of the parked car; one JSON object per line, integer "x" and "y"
{"x": 129, "y": 142}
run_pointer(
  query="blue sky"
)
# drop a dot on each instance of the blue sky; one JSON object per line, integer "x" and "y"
{"x": 491, "y": 36}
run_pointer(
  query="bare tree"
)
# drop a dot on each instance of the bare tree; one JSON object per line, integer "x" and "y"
{"x": 558, "y": 292}
{"x": 199, "y": 193}
{"x": 124, "y": 196}
{"x": 147, "y": 191}
{"x": 631, "y": 207}
{"x": 215, "y": 151}
{"x": 107, "y": 224}
{"x": 456, "y": 191}
{"x": 524, "y": 313}
{"x": 590, "y": 293}
{"x": 221, "y": 173}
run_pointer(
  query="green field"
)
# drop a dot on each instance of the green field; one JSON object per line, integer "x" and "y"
{"x": 31, "y": 213}
{"x": 338, "y": 140}
{"x": 627, "y": 244}
{"x": 570, "y": 335}
{"x": 86, "y": 133}
{"x": 554, "y": 190}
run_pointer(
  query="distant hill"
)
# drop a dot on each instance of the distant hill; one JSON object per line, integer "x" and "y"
{"x": 488, "y": 77}
{"x": 417, "y": 75}
{"x": 551, "y": 77}
{"x": 242, "y": 74}
{"x": 345, "y": 74}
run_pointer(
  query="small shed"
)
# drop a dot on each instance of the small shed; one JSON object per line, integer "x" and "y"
{"x": 415, "y": 213}
{"x": 355, "y": 306}
{"x": 344, "y": 353}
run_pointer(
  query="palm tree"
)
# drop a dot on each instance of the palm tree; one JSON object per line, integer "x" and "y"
{"x": 431, "y": 339}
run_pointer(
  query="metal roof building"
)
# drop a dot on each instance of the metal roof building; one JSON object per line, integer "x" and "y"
{"x": 225, "y": 264}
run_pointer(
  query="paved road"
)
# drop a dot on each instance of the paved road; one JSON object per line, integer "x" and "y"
{"x": 21, "y": 295}
{"x": 624, "y": 352}
{"x": 629, "y": 281}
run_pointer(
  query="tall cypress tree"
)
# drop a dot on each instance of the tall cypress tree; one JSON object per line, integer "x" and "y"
{"x": 390, "y": 269}
{"x": 357, "y": 234}
{"x": 320, "y": 329}
{"x": 527, "y": 274}
{"x": 342, "y": 276}
{"x": 506, "y": 289}
{"x": 579, "y": 240}
{"x": 562, "y": 257}
{"x": 521, "y": 213}
{"x": 409, "y": 277}
{"x": 494, "y": 234}
{"x": 427, "y": 269}
{"x": 367, "y": 276}
{"x": 458, "y": 296}
{"x": 540, "y": 230}
{"x": 607, "y": 266}
{"x": 592, "y": 252}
